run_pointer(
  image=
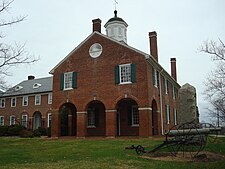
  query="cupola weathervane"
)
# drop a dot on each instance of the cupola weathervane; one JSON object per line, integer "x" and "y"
{"x": 115, "y": 4}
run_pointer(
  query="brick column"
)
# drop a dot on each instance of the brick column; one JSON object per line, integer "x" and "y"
{"x": 81, "y": 124}
{"x": 145, "y": 127}
{"x": 111, "y": 124}
{"x": 55, "y": 128}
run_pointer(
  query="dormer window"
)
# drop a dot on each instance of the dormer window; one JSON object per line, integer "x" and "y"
{"x": 36, "y": 85}
{"x": 17, "y": 88}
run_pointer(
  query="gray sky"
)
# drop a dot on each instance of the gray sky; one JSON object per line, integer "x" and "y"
{"x": 53, "y": 28}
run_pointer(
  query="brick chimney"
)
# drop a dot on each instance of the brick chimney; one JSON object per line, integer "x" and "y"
{"x": 31, "y": 77}
{"x": 173, "y": 68}
{"x": 153, "y": 45}
{"x": 97, "y": 25}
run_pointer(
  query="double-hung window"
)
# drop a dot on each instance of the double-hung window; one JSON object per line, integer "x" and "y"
{"x": 166, "y": 86}
{"x": 135, "y": 116}
{"x": 155, "y": 77}
{"x": 175, "y": 116}
{"x": 13, "y": 102}
{"x": 50, "y": 98}
{"x": 25, "y": 100}
{"x": 24, "y": 120}
{"x": 37, "y": 99}
{"x": 91, "y": 113}
{"x": 68, "y": 81}
{"x": 12, "y": 120}
{"x": 1, "y": 120}
{"x": 2, "y": 103}
{"x": 125, "y": 73}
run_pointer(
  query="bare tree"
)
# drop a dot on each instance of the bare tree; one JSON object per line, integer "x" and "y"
{"x": 11, "y": 55}
{"x": 215, "y": 82}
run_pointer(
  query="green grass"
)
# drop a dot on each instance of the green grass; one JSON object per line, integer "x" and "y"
{"x": 100, "y": 153}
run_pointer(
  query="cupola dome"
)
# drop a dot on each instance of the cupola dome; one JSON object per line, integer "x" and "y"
{"x": 116, "y": 28}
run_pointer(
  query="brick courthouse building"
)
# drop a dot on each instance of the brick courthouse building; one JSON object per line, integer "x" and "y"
{"x": 104, "y": 87}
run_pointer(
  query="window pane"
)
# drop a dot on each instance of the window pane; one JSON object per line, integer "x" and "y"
{"x": 91, "y": 117}
{"x": 135, "y": 115}
{"x": 125, "y": 73}
{"x": 68, "y": 80}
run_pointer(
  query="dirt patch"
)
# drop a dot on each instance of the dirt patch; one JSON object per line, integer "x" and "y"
{"x": 201, "y": 157}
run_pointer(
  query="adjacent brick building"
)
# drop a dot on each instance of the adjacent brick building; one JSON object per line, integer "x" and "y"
{"x": 104, "y": 87}
{"x": 28, "y": 103}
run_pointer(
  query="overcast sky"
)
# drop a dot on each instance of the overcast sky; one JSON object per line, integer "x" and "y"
{"x": 53, "y": 28}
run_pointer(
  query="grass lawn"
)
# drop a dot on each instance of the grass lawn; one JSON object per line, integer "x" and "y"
{"x": 87, "y": 153}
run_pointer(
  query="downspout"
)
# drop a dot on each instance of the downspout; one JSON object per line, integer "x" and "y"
{"x": 160, "y": 95}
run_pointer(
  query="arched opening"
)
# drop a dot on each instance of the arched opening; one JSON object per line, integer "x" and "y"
{"x": 127, "y": 118}
{"x": 67, "y": 116}
{"x": 155, "y": 126}
{"x": 37, "y": 120}
{"x": 96, "y": 123}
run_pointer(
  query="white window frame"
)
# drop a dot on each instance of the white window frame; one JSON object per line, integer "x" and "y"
{"x": 1, "y": 120}
{"x": 2, "y": 103}
{"x": 12, "y": 120}
{"x": 68, "y": 81}
{"x": 156, "y": 78}
{"x": 49, "y": 119}
{"x": 13, "y": 104}
{"x": 25, "y": 98}
{"x": 166, "y": 85}
{"x": 175, "y": 116}
{"x": 135, "y": 116}
{"x": 50, "y": 98}
{"x": 36, "y": 100}
{"x": 168, "y": 114}
{"x": 24, "y": 122}
{"x": 91, "y": 118}
{"x": 127, "y": 75}
{"x": 173, "y": 92}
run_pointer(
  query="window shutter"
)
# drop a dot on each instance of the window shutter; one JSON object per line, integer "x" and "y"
{"x": 133, "y": 73}
{"x": 74, "y": 80}
{"x": 62, "y": 81}
{"x": 117, "y": 75}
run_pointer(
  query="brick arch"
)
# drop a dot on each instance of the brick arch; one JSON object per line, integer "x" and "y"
{"x": 37, "y": 120}
{"x": 67, "y": 119}
{"x": 96, "y": 118}
{"x": 127, "y": 117}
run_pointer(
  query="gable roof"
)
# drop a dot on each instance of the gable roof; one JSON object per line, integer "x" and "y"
{"x": 28, "y": 87}
{"x": 150, "y": 59}
{"x": 104, "y": 36}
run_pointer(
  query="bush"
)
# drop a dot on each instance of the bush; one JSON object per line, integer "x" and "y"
{"x": 26, "y": 134}
{"x": 3, "y": 130}
{"x": 36, "y": 133}
{"x": 43, "y": 131}
{"x": 14, "y": 130}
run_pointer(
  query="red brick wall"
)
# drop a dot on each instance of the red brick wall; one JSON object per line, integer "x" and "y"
{"x": 44, "y": 108}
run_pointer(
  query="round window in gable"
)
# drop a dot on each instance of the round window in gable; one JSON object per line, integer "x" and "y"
{"x": 95, "y": 50}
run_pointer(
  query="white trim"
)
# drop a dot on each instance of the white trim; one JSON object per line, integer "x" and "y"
{"x": 35, "y": 100}
{"x": 12, "y": 102}
{"x": 122, "y": 66}
{"x": 49, "y": 114}
{"x": 144, "y": 108}
{"x": 82, "y": 112}
{"x": 109, "y": 111}
{"x": 50, "y": 98}
{"x": 10, "y": 120}
{"x": 2, "y": 121}
{"x": 25, "y": 122}
{"x": 24, "y": 99}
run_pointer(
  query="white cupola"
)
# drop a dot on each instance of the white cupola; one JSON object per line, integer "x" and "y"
{"x": 116, "y": 28}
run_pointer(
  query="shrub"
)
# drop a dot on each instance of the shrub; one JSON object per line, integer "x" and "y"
{"x": 14, "y": 130}
{"x": 43, "y": 131}
{"x": 36, "y": 133}
{"x": 3, "y": 130}
{"x": 26, "y": 134}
